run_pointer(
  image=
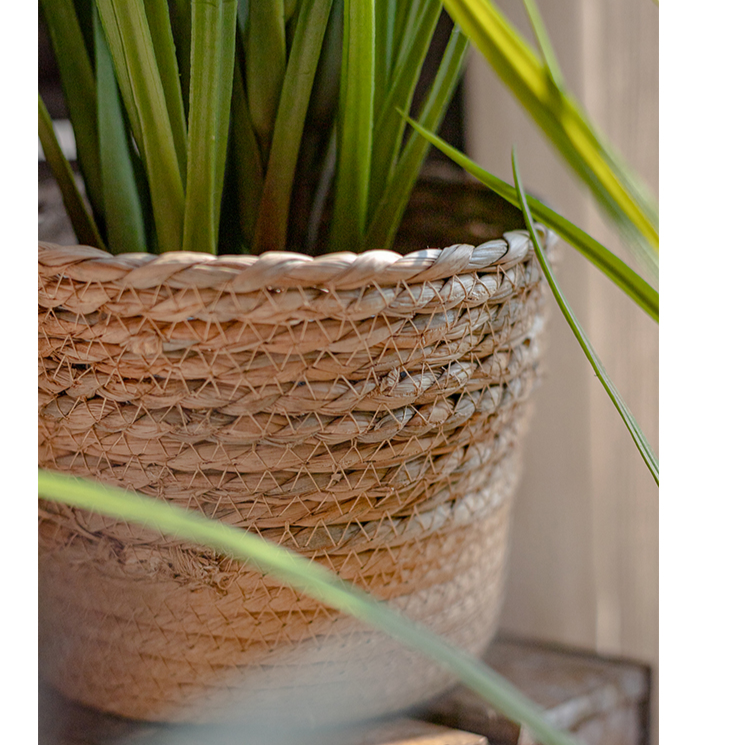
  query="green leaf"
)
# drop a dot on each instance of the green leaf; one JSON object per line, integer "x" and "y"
{"x": 266, "y": 56}
{"x": 389, "y": 126}
{"x": 181, "y": 23}
{"x": 79, "y": 86}
{"x": 84, "y": 12}
{"x": 355, "y": 127}
{"x": 128, "y": 35}
{"x": 125, "y": 227}
{"x": 544, "y": 43}
{"x": 407, "y": 14}
{"x": 213, "y": 30}
{"x": 316, "y": 167}
{"x": 159, "y": 21}
{"x": 308, "y": 577}
{"x": 115, "y": 43}
{"x": 271, "y": 227}
{"x": 82, "y": 222}
{"x": 245, "y": 157}
{"x": 645, "y": 296}
{"x": 564, "y": 123}
{"x": 385, "y": 25}
{"x": 637, "y": 435}
{"x": 323, "y": 189}
{"x": 324, "y": 99}
{"x": 390, "y": 208}
{"x": 290, "y": 9}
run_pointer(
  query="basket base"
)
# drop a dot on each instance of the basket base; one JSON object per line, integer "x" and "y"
{"x": 346, "y": 674}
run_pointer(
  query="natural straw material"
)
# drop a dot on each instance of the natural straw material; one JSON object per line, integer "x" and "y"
{"x": 360, "y": 409}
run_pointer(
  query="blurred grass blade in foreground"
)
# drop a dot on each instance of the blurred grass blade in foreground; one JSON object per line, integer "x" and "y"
{"x": 641, "y": 442}
{"x": 640, "y": 291}
{"x": 565, "y": 124}
{"x": 306, "y": 576}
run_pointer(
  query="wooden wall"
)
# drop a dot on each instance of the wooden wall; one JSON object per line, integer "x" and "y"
{"x": 584, "y": 563}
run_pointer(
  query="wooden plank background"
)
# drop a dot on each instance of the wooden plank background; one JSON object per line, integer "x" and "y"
{"x": 584, "y": 564}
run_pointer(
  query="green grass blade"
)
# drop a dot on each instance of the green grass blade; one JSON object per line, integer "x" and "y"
{"x": 79, "y": 85}
{"x": 641, "y": 442}
{"x": 181, "y": 23}
{"x": 84, "y": 12}
{"x": 266, "y": 55}
{"x": 390, "y": 208}
{"x": 389, "y": 125}
{"x": 125, "y": 227}
{"x": 407, "y": 14}
{"x": 213, "y": 29}
{"x": 290, "y": 9}
{"x": 385, "y": 25}
{"x": 645, "y": 296}
{"x": 544, "y": 43}
{"x": 306, "y": 576}
{"x": 116, "y": 48}
{"x": 349, "y": 218}
{"x": 128, "y": 35}
{"x": 82, "y": 222}
{"x": 245, "y": 157}
{"x": 159, "y": 20}
{"x": 324, "y": 100}
{"x": 564, "y": 123}
{"x": 271, "y": 227}
{"x": 320, "y": 197}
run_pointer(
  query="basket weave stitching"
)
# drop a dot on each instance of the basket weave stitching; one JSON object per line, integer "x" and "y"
{"x": 360, "y": 409}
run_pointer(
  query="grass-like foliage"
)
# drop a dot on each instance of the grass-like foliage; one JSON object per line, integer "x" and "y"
{"x": 645, "y": 296}
{"x": 535, "y": 81}
{"x": 306, "y": 576}
{"x": 640, "y": 440}
{"x": 640, "y": 291}
{"x": 235, "y": 126}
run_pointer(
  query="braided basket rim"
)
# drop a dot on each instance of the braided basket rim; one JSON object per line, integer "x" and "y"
{"x": 279, "y": 269}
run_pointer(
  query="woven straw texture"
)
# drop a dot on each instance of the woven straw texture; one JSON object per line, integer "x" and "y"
{"x": 362, "y": 410}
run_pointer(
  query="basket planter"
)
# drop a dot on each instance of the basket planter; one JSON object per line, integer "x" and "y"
{"x": 361, "y": 410}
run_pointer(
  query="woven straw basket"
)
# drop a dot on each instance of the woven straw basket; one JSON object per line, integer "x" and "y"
{"x": 362, "y": 410}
